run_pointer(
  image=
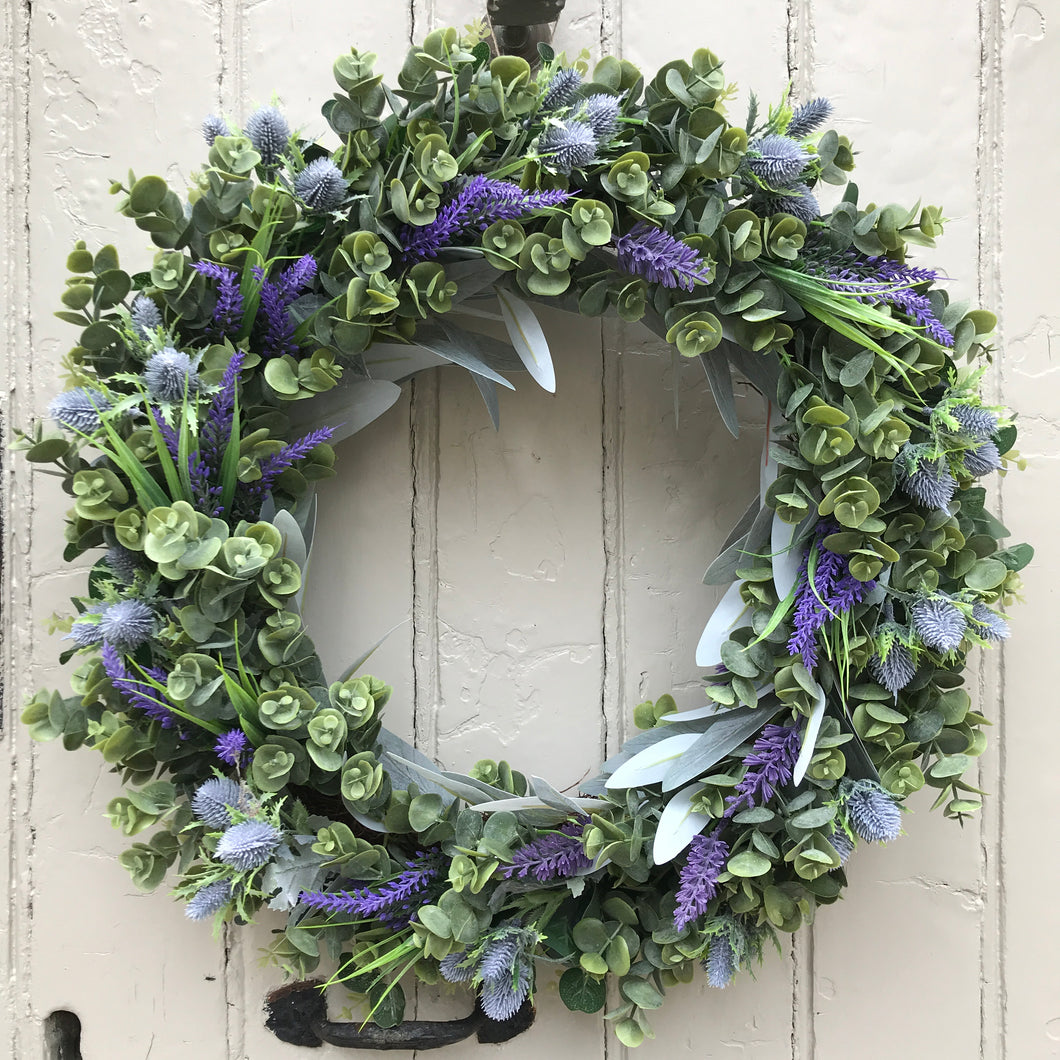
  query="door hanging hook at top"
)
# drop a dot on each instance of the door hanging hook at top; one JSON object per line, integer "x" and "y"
{"x": 519, "y": 26}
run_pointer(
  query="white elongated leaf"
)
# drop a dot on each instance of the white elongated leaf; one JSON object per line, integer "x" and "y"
{"x": 726, "y": 615}
{"x": 396, "y": 361}
{"x": 488, "y": 389}
{"x": 347, "y": 408}
{"x": 652, "y": 764}
{"x": 769, "y": 469}
{"x": 294, "y": 547}
{"x": 531, "y": 802}
{"x": 716, "y": 366}
{"x": 399, "y": 751}
{"x": 723, "y": 736}
{"x": 463, "y": 787}
{"x": 527, "y": 338}
{"x": 809, "y": 738}
{"x": 363, "y": 658}
{"x": 786, "y": 559}
{"x": 464, "y": 352}
{"x": 678, "y": 826}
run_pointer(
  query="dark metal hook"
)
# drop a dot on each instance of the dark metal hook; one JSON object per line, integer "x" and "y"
{"x": 297, "y": 1014}
{"x": 520, "y": 25}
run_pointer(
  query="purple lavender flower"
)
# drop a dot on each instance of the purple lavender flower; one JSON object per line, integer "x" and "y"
{"x": 480, "y": 202}
{"x": 600, "y": 110}
{"x": 212, "y": 127}
{"x": 561, "y": 90}
{"x": 394, "y": 902}
{"x": 878, "y": 281}
{"x": 170, "y": 374}
{"x": 79, "y": 409}
{"x": 769, "y": 766}
{"x": 976, "y": 423}
{"x": 981, "y": 460}
{"x": 988, "y": 624}
{"x": 660, "y": 257}
{"x": 214, "y": 801}
{"x": 776, "y": 160}
{"x": 269, "y": 132}
{"x": 925, "y": 478}
{"x": 797, "y": 200}
{"x": 231, "y": 746}
{"x": 893, "y": 669}
{"x": 832, "y": 592}
{"x": 214, "y": 435}
{"x": 140, "y": 694}
{"x": 247, "y": 846}
{"x": 568, "y": 146}
{"x": 321, "y": 185}
{"x": 228, "y": 310}
{"x": 808, "y": 117}
{"x": 552, "y": 856}
{"x": 705, "y": 861}
{"x": 940, "y": 623}
{"x": 144, "y": 316}
{"x": 208, "y": 900}
{"x": 872, "y": 811}
{"x": 251, "y": 495}
{"x": 128, "y": 624}
{"x": 277, "y": 334}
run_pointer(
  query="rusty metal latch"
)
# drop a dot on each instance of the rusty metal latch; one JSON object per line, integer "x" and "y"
{"x": 297, "y": 1014}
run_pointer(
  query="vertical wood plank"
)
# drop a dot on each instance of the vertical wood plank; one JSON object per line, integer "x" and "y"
{"x": 1031, "y": 383}
{"x": 103, "y": 96}
{"x": 926, "y": 886}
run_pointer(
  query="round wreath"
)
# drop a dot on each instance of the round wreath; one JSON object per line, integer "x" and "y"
{"x": 294, "y": 287}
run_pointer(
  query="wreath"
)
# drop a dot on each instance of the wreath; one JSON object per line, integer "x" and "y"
{"x": 293, "y": 289}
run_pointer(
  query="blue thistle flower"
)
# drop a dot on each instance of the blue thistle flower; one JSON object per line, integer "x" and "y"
{"x": 808, "y": 117}
{"x": 170, "y": 374}
{"x": 456, "y": 968}
{"x": 776, "y": 160}
{"x": 600, "y": 110}
{"x": 872, "y": 811}
{"x": 321, "y": 185}
{"x": 144, "y": 316}
{"x": 208, "y": 900}
{"x": 704, "y": 862}
{"x": 214, "y": 800}
{"x": 247, "y": 846}
{"x": 128, "y": 624}
{"x": 212, "y": 127}
{"x": 988, "y": 624}
{"x": 85, "y": 631}
{"x": 720, "y": 964}
{"x": 231, "y": 746}
{"x": 925, "y": 479}
{"x": 893, "y": 669}
{"x": 797, "y": 200}
{"x": 269, "y": 132}
{"x": 79, "y": 409}
{"x": 940, "y": 623}
{"x": 124, "y": 563}
{"x": 562, "y": 89}
{"x": 843, "y": 844}
{"x": 732, "y": 944}
{"x": 976, "y": 423}
{"x": 567, "y": 147}
{"x": 652, "y": 252}
{"x": 981, "y": 460}
{"x": 502, "y": 998}
{"x": 499, "y": 956}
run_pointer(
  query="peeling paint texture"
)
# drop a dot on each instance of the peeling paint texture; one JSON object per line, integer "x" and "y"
{"x": 550, "y": 571}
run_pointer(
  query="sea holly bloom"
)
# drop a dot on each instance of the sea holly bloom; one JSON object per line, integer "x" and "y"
{"x": 923, "y": 477}
{"x": 776, "y": 160}
{"x": 79, "y": 409}
{"x": 215, "y": 799}
{"x": 988, "y": 624}
{"x": 208, "y": 900}
{"x": 872, "y": 811}
{"x": 981, "y": 460}
{"x": 732, "y": 944}
{"x": 976, "y": 423}
{"x": 561, "y": 89}
{"x": 808, "y": 117}
{"x": 940, "y": 622}
{"x": 893, "y": 667}
{"x": 797, "y": 199}
{"x": 321, "y": 185}
{"x": 502, "y": 964}
{"x": 652, "y": 252}
{"x": 600, "y": 111}
{"x": 144, "y": 316}
{"x": 567, "y": 146}
{"x": 704, "y": 862}
{"x": 247, "y": 846}
{"x": 212, "y": 127}
{"x": 170, "y": 375}
{"x": 268, "y": 131}
{"x": 127, "y": 624}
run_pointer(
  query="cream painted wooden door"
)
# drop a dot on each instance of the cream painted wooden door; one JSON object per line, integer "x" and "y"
{"x": 550, "y": 571}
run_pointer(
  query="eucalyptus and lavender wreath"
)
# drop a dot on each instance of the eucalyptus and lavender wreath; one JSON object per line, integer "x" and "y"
{"x": 293, "y": 289}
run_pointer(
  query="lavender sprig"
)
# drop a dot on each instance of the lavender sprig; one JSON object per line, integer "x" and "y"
{"x": 139, "y": 694}
{"x": 833, "y": 591}
{"x": 480, "y": 202}
{"x": 705, "y": 861}
{"x": 769, "y": 766}
{"x": 394, "y": 902}
{"x": 552, "y": 856}
{"x": 652, "y": 252}
{"x": 228, "y": 310}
